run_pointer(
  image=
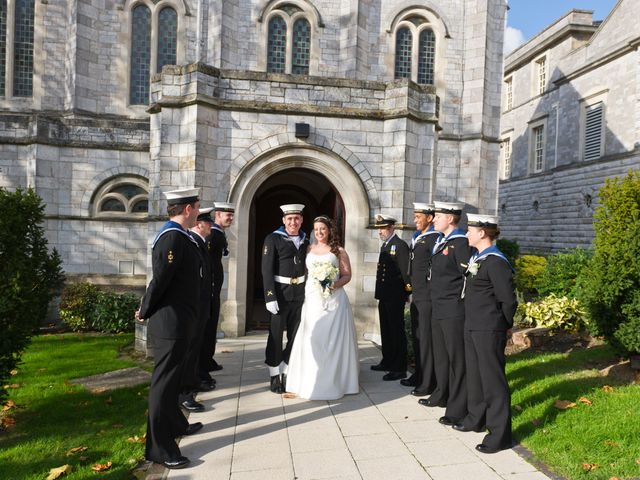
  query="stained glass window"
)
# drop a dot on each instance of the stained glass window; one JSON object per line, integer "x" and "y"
{"x": 277, "y": 44}
{"x": 140, "y": 55}
{"x": 301, "y": 47}
{"x": 167, "y": 37}
{"x": 403, "y": 53}
{"x": 290, "y": 9}
{"x": 23, "y": 49}
{"x": 427, "y": 58}
{"x": 3, "y": 43}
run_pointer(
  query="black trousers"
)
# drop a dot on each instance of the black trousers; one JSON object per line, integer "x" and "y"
{"x": 489, "y": 396}
{"x": 288, "y": 318}
{"x": 422, "y": 345}
{"x": 394, "y": 339}
{"x": 449, "y": 366}
{"x": 191, "y": 373}
{"x": 209, "y": 339}
{"x": 165, "y": 420}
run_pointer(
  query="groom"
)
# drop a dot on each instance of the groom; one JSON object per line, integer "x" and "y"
{"x": 283, "y": 276}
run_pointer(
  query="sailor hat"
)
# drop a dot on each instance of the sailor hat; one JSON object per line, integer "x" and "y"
{"x": 205, "y": 215}
{"x": 383, "y": 221}
{"x": 292, "y": 208}
{"x": 454, "y": 208}
{"x": 475, "y": 220}
{"x": 426, "y": 208}
{"x": 224, "y": 207}
{"x": 181, "y": 197}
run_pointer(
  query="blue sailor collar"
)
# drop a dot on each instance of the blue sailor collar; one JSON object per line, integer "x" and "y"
{"x": 492, "y": 250}
{"x": 420, "y": 234}
{"x": 172, "y": 226}
{"x": 442, "y": 241}
{"x": 218, "y": 228}
{"x": 283, "y": 232}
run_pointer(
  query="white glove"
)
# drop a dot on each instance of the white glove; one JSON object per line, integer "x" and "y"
{"x": 273, "y": 307}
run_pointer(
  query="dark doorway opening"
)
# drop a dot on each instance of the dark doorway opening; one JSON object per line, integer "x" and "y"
{"x": 295, "y": 185}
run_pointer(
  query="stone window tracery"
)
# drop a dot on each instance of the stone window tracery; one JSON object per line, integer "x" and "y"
{"x": 122, "y": 196}
{"x": 16, "y": 48}
{"x": 415, "y": 49}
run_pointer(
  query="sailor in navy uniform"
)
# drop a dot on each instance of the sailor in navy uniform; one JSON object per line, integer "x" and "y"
{"x": 422, "y": 244}
{"x": 191, "y": 382}
{"x": 283, "y": 275}
{"x": 448, "y": 264}
{"x": 171, "y": 305}
{"x": 218, "y": 248}
{"x": 393, "y": 288}
{"x": 490, "y": 304}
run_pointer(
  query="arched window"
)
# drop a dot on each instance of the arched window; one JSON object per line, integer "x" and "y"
{"x": 277, "y": 45}
{"x": 415, "y": 37}
{"x": 167, "y": 37}
{"x": 140, "y": 55}
{"x": 404, "y": 43}
{"x": 17, "y": 75}
{"x": 122, "y": 196}
{"x": 301, "y": 47}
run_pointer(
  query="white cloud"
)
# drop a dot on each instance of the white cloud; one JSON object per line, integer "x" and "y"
{"x": 513, "y": 38}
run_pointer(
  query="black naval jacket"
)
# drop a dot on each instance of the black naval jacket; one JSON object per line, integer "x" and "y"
{"x": 448, "y": 265}
{"x": 281, "y": 257}
{"x": 392, "y": 276}
{"x": 490, "y": 299}
{"x": 172, "y": 298}
{"x": 421, "y": 251}
{"x": 218, "y": 248}
{"x": 205, "y": 285}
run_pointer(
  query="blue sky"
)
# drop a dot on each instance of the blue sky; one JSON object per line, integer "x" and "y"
{"x": 527, "y": 18}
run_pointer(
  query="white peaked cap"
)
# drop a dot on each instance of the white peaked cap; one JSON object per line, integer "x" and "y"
{"x": 292, "y": 208}
{"x": 454, "y": 208}
{"x": 384, "y": 220}
{"x": 186, "y": 195}
{"x": 476, "y": 220}
{"x": 424, "y": 208}
{"x": 224, "y": 207}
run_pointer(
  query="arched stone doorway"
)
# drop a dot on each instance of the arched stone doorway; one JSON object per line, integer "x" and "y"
{"x": 295, "y": 185}
{"x": 282, "y": 168}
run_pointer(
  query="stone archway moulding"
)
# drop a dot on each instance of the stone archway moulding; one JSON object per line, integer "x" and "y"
{"x": 105, "y": 175}
{"x": 244, "y": 186}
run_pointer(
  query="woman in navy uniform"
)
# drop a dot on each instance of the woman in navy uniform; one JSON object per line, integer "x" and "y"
{"x": 490, "y": 304}
{"x": 448, "y": 263}
{"x": 283, "y": 275}
{"x": 422, "y": 244}
{"x": 392, "y": 292}
{"x": 171, "y": 305}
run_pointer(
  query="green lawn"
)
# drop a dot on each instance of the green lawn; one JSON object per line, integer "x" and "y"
{"x": 605, "y": 434}
{"x": 53, "y": 416}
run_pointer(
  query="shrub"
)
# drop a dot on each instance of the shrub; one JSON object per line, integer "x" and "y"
{"x": 561, "y": 272}
{"x": 77, "y": 305}
{"x": 29, "y": 275}
{"x": 609, "y": 285}
{"x": 529, "y": 268}
{"x": 114, "y": 312}
{"x": 510, "y": 248}
{"x": 556, "y": 313}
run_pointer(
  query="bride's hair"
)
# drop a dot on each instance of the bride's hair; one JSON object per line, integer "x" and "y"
{"x": 334, "y": 236}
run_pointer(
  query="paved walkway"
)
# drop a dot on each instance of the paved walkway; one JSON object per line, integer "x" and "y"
{"x": 381, "y": 433}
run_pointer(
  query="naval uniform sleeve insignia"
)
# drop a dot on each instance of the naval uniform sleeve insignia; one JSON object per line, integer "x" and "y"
{"x": 266, "y": 250}
{"x": 408, "y": 288}
{"x": 170, "y": 256}
{"x": 269, "y": 293}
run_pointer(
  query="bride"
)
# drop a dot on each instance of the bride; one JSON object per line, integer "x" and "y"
{"x": 324, "y": 357}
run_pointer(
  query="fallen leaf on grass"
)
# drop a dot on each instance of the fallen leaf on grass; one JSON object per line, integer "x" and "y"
{"x": 58, "y": 472}
{"x": 13, "y": 372}
{"x": 98, "y": 391}
{"x": 638, "y": 461}
{"x": 137, "y": 439}
{"x": 518, "y": 408}
{"x": 100, "y": 467}
{"x": 7, "y": 422}
{"x": 108, "y": 401}
{"x": 607, "y": 388}
{"x": 563, "y": 404}
{"x": 614, "y": 478}
{"x": 585, "y": 400}
{"x": 9, "y": 405}
{"x": 587, "y": 467}
{"x": 611, "y": 443}
{"x": 536, "y": 422}
{"x": 13, "y": 385}
{"x": 76, "y": 450}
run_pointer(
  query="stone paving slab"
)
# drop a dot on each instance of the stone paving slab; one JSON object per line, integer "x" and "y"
{"x": 380, "y": 433}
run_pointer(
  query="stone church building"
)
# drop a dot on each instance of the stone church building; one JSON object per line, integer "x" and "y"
{"x": 571, "y": 118}
{"x": 353, "y": 108}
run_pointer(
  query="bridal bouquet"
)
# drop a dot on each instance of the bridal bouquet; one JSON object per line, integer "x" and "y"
{"x": 323, "y": 274}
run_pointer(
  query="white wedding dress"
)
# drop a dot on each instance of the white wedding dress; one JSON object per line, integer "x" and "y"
{"x": 324, "y": 358}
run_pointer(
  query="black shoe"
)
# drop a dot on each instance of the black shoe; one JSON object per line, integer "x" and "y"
{"x": 175, "y": 463}
{"x": 418, "y": 393}
{"x": 378, "y": 368}
{"x": 193, "y": 428}
{"x": 215, "y": 366}
{"x": 192, "y": 406}
{"x": 412, "y": 381}
{"x": 460, "y": 427}
{"x": 448, "y": 421}
{"x": 428, "y": 403}
{"x": 283, "y": 382}
{"x": 482, "y": 448}
{"x": 276, "y": 385}
{"x": 394, "y": 376}
{"x": 206, "y": 386}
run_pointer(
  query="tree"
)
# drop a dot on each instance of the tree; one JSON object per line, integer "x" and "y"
{"x": 29, "y": 275}
{"x": 609, "y": 288}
